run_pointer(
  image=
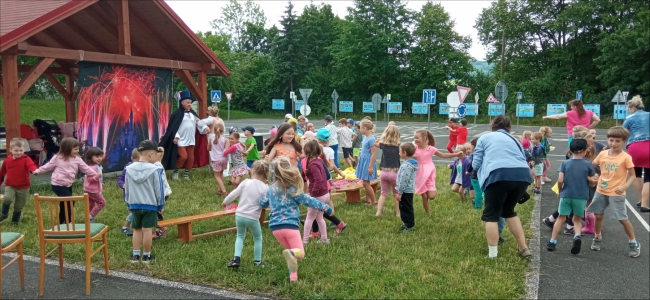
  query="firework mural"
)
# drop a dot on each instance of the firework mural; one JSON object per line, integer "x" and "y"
{"x": 119, "y": 106}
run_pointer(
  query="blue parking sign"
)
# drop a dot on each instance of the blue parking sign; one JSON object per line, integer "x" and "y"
{"x": 429, "y": 96}
{"x": 215, "y": 96}
{"x": 579, "y": 95}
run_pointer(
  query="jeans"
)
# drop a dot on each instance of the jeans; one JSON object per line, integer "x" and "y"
{"x": 336, "y": 154}
{"x": 256, "y": 230}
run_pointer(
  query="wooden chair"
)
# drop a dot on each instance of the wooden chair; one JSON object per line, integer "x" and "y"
{"x": 12, "y": 241}
{"x": 71, "y": 233}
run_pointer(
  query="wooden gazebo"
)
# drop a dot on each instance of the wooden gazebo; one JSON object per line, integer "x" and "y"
{"x": 62, "y": 33}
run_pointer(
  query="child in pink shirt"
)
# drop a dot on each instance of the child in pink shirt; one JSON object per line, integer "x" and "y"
{"x": 93, "y": 185}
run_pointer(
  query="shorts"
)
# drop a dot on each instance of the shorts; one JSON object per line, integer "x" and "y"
{"x": 388, "y": 181}
{"x": 538, "y": 169}
{"x": 356, "y": 151}
{"x": 219, "y": 165}
{"x": 347, "y": 152}
{"x": 642, "y": 173}
{"x": 501, "y": 197}
{"x": 572, "y": 204}
{"x": 601, "y": 202}
{"x": 144, "y": 219}
{"x": 249, "y": 163}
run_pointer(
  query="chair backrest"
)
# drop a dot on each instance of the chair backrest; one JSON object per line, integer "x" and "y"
{"x": 51, "y": 220}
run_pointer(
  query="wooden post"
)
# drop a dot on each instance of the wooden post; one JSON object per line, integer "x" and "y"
{"x": 203, "y": 94}
{"x": 124, "y": 28}
{"x": 11, "y": 95}
{"x": 69, "y": 100}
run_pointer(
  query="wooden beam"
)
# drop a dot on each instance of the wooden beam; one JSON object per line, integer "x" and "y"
{"x": 11, "y": 95}
{"x": 49, "y": 70}
{"x": 1, "y": 86}
{"x": 90, "y": 39}
{"x": 69, "y": 101}
{"x": 186, "y": 78}
{"x": 79, "y": 55}
{"x": 203, "y": 91}
{"x": 146, "y": 27}
{"x": 124, "y": 28}
{"x": 57, "y": 85}
{"x": 106, "y": 21}
{"x": 37, "y": 70}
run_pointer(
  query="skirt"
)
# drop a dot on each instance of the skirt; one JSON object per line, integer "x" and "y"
{"x": 219, "y": 165}
{"x": 240, "y": 170}
{"x": 640, "y": 153}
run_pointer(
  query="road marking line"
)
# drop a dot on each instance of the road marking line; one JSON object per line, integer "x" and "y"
{"x": 638, "y": 216}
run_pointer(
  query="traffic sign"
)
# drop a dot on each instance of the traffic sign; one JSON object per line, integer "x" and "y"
{"x": 520, "y": 95}
{"x": 462, "y": 110}
{"x": 395, "y": 108}
{"x": 305, "y": 110}
{"x": 462, "y": 92}
{"x": 579, "y": 95}
{"x": 501, "y": 91}
{"x": 429, "y": 96}
{"x": 305, "y": 93}
{"x": 335, "y": 96}
{"x": 619, "y": 97}
{"x": 368, "y": 107}
{"x": 215, "y": 95}
{"x": 453, "y": 100}
{"x": 228, "y": 95}
{"x": 491, "y": 99}
{"x": 625, "y": 93}
{"x": 376, "y": 101}
{"x": 476, "y": 98}
{"x": 420, "y": 108}
{"x": 278, "y": 104}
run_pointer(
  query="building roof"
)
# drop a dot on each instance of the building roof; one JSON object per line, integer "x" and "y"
{"x": 156, "y": 31}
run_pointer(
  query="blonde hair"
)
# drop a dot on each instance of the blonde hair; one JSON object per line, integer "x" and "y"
{"x": 218, "y": 132}
{"x": 468, "y": 146}
{"x": 16, "y": 142}
{"x": 135, "y": 154}
{"x": 367, "y": 124}
{"x": 460, "y": 148}
{"x": 427, "y": 135}
{"x": 391, "y": 136}
{"x": 261, "y": 168}
{"x": 301, "y": 118}
{"x": 538, "y": 135}
{"x": 636, "y": 102}
{"x": 213, "y": 111}
{"x": 519, "y": 138}
{"x": 527, "y": 134}
{"x": 545, "y": 130}
{"x": 287, "y": 177}
{"x": 580, "y": 132}
{"x": 160, "y": 153}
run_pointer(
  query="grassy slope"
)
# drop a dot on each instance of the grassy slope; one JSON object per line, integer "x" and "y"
{"x": 446, "y": 257}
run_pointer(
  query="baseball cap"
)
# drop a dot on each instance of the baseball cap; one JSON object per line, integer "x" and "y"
{"x": 147, "y": 145}
{"x": 232, "y": 129}
{"x": 351, "y": 121}
{"x": 328, "y": 118}
{"x": 323, "y": 134}
{"x": 288, "y": 116}
{"x": 292, "y": 120}
{"x": 249, "y": 128}
{"x": 309, "y": 135}
{"x": 578, "y": 145}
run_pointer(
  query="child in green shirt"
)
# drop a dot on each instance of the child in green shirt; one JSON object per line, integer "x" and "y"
{"x": 251, "y": 146}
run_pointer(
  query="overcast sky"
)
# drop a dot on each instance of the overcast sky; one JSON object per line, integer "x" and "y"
{"x": 198, "y": 14}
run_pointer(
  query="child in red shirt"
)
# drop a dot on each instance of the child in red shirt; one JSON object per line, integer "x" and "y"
{"x": 461, "y": 133}
{"x": 16, "y": 168}
{"x": 453, "y": 136}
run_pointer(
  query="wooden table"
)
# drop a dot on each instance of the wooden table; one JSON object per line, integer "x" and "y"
{"x": 353, "y": 191}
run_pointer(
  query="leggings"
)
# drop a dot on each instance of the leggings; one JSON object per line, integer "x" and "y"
{"x": 256, "y": 230}
{"x": 333, "y": 219}
{"x": 478, "y": 194}
{"x": 450, "y": 146}
{"x": 336, "y": 154}
{"x": 64, "y": 191}
{"x": 290, "y": 239}
{"x": 97, "y": 202}
{"x": 316, "y": 215}
{"x": 642, "y": 173}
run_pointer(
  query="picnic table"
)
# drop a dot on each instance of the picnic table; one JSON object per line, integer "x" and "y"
{"x": 351, "y": 188}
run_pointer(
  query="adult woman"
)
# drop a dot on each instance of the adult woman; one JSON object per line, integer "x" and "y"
{"x": 637, "y": 146}
{"x": 504, "y": 176}
{"x": 577, "y": 116}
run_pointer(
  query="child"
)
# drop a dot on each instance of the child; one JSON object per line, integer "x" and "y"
{"x": 284, "y": 198}
{"x": 251, "y": 146}
{"x": 461, "y": 133}
{"x": 212, "y": 120}
{"x": 160, "y": 231}
{"x": 538, "y": 160}
{"x": 573, "y": 183}
{"x": 273, "y": 132}
{"x": 406, "y": 186}
{"x": 239, "y": 167}
{"x": 66, "y": 164}
{"x": 310, "y": 127}
{"x": 615, "y": 166}
{"x": 322, "y": 136}
{"x": 250, "y": 191}
{"x": 389, "y": 145}
{"x": 357, "y": 139}
{"x": 547, "y": 132}
{"x": 284, "y": 144}
{"x": 218, "y": 160}
{"x": 93, "y": 185}
{"x": 425, "y": 179}
{"x": 334, "y": 138}
{"x": 367, "y": 168}
{"x": 453, "y": 135}
{"x": 478, "y": 192}
{"x": 16, "y": 168}
{"x": 468, "y": 151}
{"x": 298, "y": 136}
{"x": 527, "y": 135}
{"x": 302, "y": 124}
{"x": 459, "y": 179}
{"x": 346, "y": 135}
{"x": 145, "y": 196}
{"x": 135, "y": 156}
{"x": 318, "y": 188}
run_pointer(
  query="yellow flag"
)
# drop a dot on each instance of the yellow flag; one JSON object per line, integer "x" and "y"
{"x": 556, "y": 189}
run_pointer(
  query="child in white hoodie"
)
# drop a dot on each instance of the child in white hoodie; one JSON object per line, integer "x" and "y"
{"x": 248, "y": 211}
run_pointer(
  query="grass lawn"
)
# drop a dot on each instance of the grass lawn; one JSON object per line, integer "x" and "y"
{"x": 446, "y": 256}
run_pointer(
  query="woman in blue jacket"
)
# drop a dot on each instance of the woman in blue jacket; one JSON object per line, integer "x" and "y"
{"x": 638, "y": 123}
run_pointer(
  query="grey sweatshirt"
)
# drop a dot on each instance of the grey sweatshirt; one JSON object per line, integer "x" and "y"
{"x": 143, "y": 187}
{"x": 249, "y": 192}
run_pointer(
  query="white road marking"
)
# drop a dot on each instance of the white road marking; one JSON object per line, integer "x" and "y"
{"x": 638, "y": 216}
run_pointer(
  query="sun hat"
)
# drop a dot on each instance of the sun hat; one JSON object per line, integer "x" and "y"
{"x": 309, "y": 135}
{"x": 323, "y": 134}
{"x": 288, "y": 116}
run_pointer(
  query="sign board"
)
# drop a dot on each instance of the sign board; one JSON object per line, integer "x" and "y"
{"x": 395, "y": 108}
{"x": 215, "y": 95}
{"x": 625, "y": 93}
{"x": 278, "y": 104}
{"x": 462, "y": 110}
{"x": 462, "y": 93}
{"x": 346, "y": 106}
{"x": 620, "y": 112}
{"x": 491, "y": 99}
{"x": 429, "y": 96}
{"x": 495, "y": 109}
{"x": 384, "y": 100}
{"x": 555, "y": 109}
{"x": 305, "y": 93}
{"x": 228, "y": 95}
{"x": 443, "y": 109}
{"x": 476, "y": 98}
{"x": 305, "y": 110}
{"x": 526, "y": 110}
{"x": 501, "y": 91}
{"x": 618, "y": 98}
{"x": 419, "y": 108}
{"x": 472, "y": 109}
{"x": 520, "y": 95}
{"x": 579, "y": 95}
{"x": 335, "y": 96}
{"x": 299, "y": 104}
{"x": 368, "y": 107}
{"x": 453, "y": 100}
{"x": 595, "y": 108}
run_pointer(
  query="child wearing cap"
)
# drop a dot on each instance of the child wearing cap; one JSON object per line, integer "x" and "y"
{"x": 251, "y": 146}
{"x": 287, "y": 117}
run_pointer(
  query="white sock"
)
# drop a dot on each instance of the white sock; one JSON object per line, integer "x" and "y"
{"x": 493, "y": 251}
{"x": 551, "y": 218}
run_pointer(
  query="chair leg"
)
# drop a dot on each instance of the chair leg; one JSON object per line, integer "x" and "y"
{"x": 88, "y": 260}
{"x": 60, "y": 247}
{"x": 21, "y": 267}
{"x": 105, "y": 245}
{"x": 42, "y": 273}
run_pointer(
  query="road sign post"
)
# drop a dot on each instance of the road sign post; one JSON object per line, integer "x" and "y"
{"x": 305, "y": 93}
{"x": 429, "y": 98}
{"x": 292, "y": 96}
{"x": 387, "y": 103}
{"x": 376, "y": 102}
{"x": 520, "y": 95}
{"x": 335, "y": 96}
{"x": 476, "y": 101}
{"x": 228, "y": 97}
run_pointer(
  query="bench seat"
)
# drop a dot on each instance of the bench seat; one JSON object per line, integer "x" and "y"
{"x": 184, "y": 224}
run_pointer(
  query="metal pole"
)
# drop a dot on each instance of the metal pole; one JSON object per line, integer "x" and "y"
{"x": 334, "y": 110}
{"x": 387, "y": 112}
{"x": 517, "y": 113}
{"x": 428, "y": 116}
{"x": 228, "y": 110}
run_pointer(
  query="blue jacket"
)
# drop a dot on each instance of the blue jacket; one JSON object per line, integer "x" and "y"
{"x": 638, "y": 124}
{"x": 285, "y": 212}
{"x": 467, "y": 178}
{"x": 496, "y": 150}
{"x": 406, "y": 176}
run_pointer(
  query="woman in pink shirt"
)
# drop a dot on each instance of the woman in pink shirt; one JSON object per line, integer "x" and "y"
{"x": 576, "y": 116}
{"x": 66, "y": 164}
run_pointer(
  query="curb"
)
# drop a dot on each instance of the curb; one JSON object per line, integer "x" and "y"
{"x": 532, "y": 279}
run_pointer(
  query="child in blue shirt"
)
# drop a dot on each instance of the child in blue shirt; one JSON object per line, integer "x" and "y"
{"x": 406, "y": 186}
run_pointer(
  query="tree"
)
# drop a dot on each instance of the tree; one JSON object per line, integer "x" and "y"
{"x": 234, "y": 19}
{"x": 285, "y": 51}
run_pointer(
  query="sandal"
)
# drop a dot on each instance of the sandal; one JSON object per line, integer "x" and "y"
{"x": 525, "y": 252}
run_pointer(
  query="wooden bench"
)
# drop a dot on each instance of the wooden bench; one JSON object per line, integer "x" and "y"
{"x": 184, "y": 224}
{"x": 353, "y": 191}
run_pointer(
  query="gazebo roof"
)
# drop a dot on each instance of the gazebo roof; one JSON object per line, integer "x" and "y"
{"x": 90, "y": 25}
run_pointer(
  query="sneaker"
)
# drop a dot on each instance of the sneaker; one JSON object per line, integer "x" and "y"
{"x": 3, "y": 217}
{"x": 127, "y": 231}
{"x": 546, "y": 179}
{"x": 234, "y": 263}
{"x": 314, "y": 235}
{"x": 548, "y": 223}
{"x": 502, "y": 240}
{"x": 635, "y": 249}
{"x": 543, "y": 182}
{"x": 175, "y": 176}
{"x": 550, "y": 246}
{"x": 332, "y": 224}
{"x": 644, "y": 209}
{"x": 577, "y": 244}
{"x": 571, "y": 231}
{"x": 406, "y": 229}
{"x": 135, "y": 259}
{"x": 187, "y": 178}
{"x": 148, "y": 259}
{"x": 259, "y": 264}
{"x": 92, "y": 219}
{"x": 340, "y": 228}
{"x": 292, "y": 262}
{"x": 537, "y": 191}
{"x": 595, "y": 244}
{"x": 324, "y": 242}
